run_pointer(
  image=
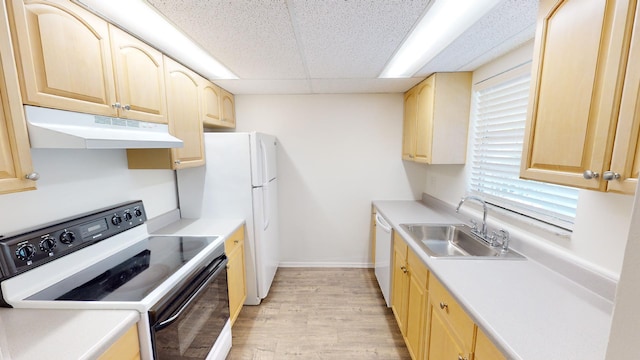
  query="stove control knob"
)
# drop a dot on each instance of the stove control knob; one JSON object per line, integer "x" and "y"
{"x": 67, "y": 237}
{"x": 48, "y": 243}
{"x": 25, "y": 252}
{"x": 127, "y": 215}
{"x": 137, "y": 212}
{"x": 116, "y": 219}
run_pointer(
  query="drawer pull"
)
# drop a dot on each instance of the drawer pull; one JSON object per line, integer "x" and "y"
{"x": 444, "y": 306}
{"x": 236, "y": 241}
{"x": 460, "y": 357}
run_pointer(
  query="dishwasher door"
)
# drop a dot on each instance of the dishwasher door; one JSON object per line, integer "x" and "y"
{"x": 383, "y": 257}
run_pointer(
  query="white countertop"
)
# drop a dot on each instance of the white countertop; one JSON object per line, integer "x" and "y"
{"x": 29, "y": 334}
{"x": 529, "y": 311}
{"x": 200, "y": 227}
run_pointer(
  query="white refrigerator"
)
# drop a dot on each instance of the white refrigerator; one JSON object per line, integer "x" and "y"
{"x": 239, "y": 180}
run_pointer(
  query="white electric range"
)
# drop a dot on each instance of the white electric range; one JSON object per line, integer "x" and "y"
{"x": 106, "y": 259}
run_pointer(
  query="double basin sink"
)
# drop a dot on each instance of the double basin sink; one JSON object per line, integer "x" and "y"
{"x": 455, "y": 241}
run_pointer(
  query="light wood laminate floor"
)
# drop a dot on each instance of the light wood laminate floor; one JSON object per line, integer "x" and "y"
{"x": 319, "y": 313}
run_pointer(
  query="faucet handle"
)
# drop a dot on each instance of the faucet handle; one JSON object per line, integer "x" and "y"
{"x": 504, "y": 236}
{"x": 474, "y": 225}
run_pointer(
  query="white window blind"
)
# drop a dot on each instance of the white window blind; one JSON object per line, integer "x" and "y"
{"x": 500, "y": 116}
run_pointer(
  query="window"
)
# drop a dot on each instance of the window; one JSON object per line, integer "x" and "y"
{"x": 500, "y": 109}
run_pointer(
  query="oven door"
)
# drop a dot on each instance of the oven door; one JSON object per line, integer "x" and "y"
{"x": 187, "y": 325}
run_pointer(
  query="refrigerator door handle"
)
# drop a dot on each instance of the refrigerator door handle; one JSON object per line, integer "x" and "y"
{"x": 266, "y": 205}
{"x": 265, "y": 165}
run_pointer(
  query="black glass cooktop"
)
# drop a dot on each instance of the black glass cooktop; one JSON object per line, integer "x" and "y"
{"x": 129, "y": 275}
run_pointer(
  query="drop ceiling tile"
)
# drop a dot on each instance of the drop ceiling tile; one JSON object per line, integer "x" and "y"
{"x": 254, "y": 39}
{"x": 253, "y": 87}
{"x": 352, "y": 39}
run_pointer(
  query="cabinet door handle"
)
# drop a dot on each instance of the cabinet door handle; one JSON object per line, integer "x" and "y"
{"x": 444, "y": 305}
{"x": 460, "y": 357}
{"x": 177, "y": 162}
{"x": 610, "y": 175}
{"x": 116, "y": 105}
{"x": 127, "y": 107}
{"x": 236, "y": 241}
{"x": 32, "y": 176}
{"x": 588, "y": 174}
{"x": 404, "y": 269}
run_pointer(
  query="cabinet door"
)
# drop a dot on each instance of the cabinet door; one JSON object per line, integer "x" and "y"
{"x": 424, "y": 124}
{"x": 626, "y": 150}
{"x": 399, "y": 283}
{"x": 64, "y": 56}
{"x": 183, "y": 107}
{"x": 409, "y": 124}
{"x": 442, "y": 344}
{"x": 416, "y": 306}
{"x": 485, "y": 350}
{"x": 576, "y": 85}
{"x": 126, "y": 348}
{"x": 236, "y": 280}
{"x": 228, "y": 115}
{"x": 15, "y": 154}
{"x": 211, "y": 110}
{"x": 139, "y": 72}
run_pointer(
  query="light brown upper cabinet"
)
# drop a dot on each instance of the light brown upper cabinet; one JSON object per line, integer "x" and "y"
{"x": 67, "y": 57}
{"x": 625, "y": 159}
{"x": 577, "y": 100}
{"x": 218, "y": 106}
{"x": 211, "y": 108}
{"x": 185, "y": 123}
{"x": 64, "y": 56}
{"x": 436, "y": 117}
{"x": 139, "y": 71}
{"x": 228, "y": 102}
{"x": 15, "y": 154}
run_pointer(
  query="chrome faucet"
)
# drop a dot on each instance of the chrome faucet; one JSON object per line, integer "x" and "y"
{"x": 483, "y": 231}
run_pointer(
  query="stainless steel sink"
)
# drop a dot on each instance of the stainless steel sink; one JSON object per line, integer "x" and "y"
{"x": 455, "y": 241}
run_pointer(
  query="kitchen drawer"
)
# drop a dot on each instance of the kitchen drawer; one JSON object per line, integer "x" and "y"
{"x": 399, "y": 245}
{"x": 453, "y": 314}
{"x": 234, "y": 241}
{"x": 418, "y": 270}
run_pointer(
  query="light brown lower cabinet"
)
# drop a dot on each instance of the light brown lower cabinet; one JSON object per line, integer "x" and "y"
{"x": 452, "y": 332}
{"x": 236, "y": 275}
{"x": 485, "y": 349}
{"x": 434, "y": 326}
{"x": 125, "y": 348}
{"x": 409, "y": 296}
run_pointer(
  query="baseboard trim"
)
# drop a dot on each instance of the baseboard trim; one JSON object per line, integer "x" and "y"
{"x": 317, "y": 264}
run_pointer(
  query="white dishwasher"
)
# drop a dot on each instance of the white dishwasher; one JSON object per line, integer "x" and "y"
{"x": 383, "y": 257}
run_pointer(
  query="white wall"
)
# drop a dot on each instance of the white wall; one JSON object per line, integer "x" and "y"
{"x": 337, "y": 153}
{"x": 602, "y": 221}
{"x": 76, "y": 181}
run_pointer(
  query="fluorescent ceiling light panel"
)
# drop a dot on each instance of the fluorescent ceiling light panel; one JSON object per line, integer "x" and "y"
{"x": 444, "y": 22}
{"x": 140, "y": 19}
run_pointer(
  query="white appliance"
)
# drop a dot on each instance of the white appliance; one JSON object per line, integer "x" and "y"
{"x": 106, "y": 259}
{"x": 383, "y": 257}
{"x": 61, "y": 129}
{"x": 239, "y": 180}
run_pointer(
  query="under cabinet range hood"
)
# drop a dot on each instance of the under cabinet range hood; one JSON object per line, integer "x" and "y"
{"x": 60, "y": 129}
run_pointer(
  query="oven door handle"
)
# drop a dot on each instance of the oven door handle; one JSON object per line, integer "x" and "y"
{"x": 219, "y": 267}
